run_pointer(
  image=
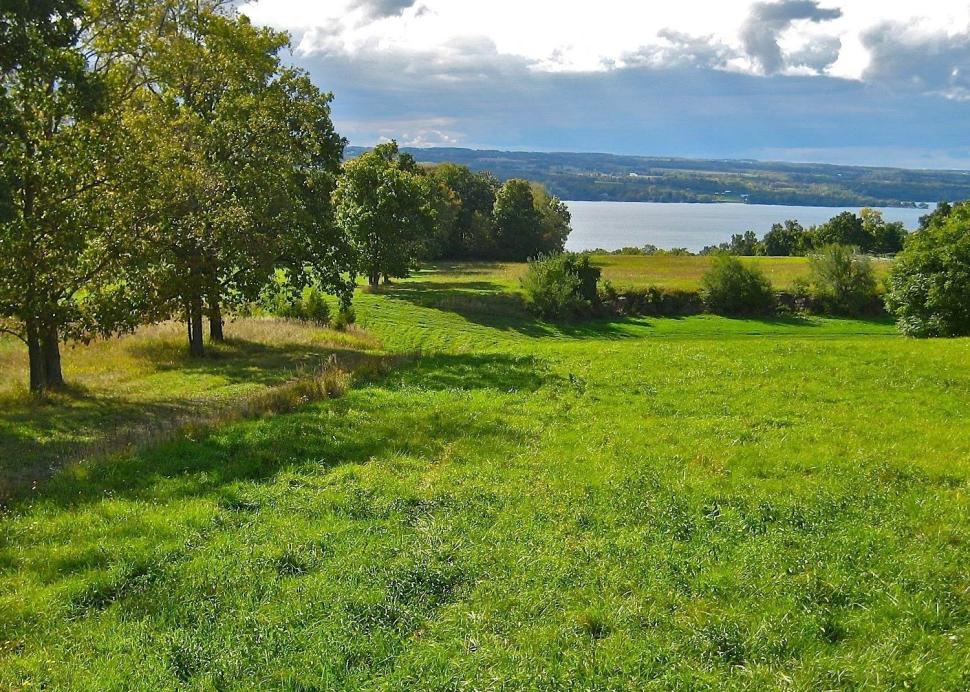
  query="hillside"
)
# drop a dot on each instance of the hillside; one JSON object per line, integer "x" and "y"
{"x": 593, "y": 177}
{"x": 696, "y": 503}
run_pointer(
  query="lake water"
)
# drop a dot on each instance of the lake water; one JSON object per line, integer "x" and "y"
{"x": 613, "y": 225}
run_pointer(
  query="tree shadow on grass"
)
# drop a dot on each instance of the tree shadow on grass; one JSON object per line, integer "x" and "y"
{"x": 386, "y": 420}
{"x": 491, "y": 305}
{"x": 38, "y": 435}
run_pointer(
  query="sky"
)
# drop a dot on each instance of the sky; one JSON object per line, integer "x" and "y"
{"x": 872, "y": 82}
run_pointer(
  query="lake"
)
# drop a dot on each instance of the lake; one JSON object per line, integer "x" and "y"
{"x": 613, "y": 225}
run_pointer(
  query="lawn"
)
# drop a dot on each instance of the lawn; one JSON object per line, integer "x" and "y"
{"x": 701, "y": 503}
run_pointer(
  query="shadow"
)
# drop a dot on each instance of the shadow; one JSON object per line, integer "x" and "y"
{"x": 40, "y": 434}
{"x": 440, "y": 372}
{"x": 240, "y": 360}
{"x": 491, "y": 305}
{"x": 204, "y": 463}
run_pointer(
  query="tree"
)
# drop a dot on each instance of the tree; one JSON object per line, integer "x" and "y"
{"x": 472, "y": 233}
{"x": 784, "y": 240}
{"x": 554, "y": 220}
{"x": 882, "y": 237}
{"x": 842, "y": 280}
{"x": 844, "y": 229}
{"x": 447, "y": 209}
{"x": 244, "y": 166}
{"x": 62, "y": 154}
{"x": 382, "y": 204}
{"x": 517, "y": 223}
{"x": 929, "y": 284}
{"x": 939, "y": 214}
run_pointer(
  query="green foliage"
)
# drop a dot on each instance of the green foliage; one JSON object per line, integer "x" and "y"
{"x": 731, "y": 287}
{"x": 470, "y": 234}
{"x": 282, "y": 297}
{"x": 554, "y": 220}
{"x": 346, "y": 316}
{"x": 244, "y": 159}
{"x": 929, "y": 284}
{"x": 785, "y": 240}
{"x": 561, "y": 286}
{"x": 881, "y": 238}
{"x": 517, "y": 222}
{"x": 384, "y": 205}
{"x": 66, "y": 176}
{"x": 842, "y": 282}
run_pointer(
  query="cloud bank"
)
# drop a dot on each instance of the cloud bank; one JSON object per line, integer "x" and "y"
{"x": 738, "y": 78}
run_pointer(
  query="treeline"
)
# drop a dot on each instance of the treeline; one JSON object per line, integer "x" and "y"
{"x": 866, "y": 231}
{"x": 575, "y": 176}
{"x": 159, "y": 160}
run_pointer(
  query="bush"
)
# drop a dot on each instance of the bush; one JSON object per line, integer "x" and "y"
{"x": 732, "y": 288}
{"x": 842, "y": 282}
{"x": 652, "y": 301}
{"x": 345, "y": 317}
{"x": 929, "y": 285}
{"x": 314, "y": 307}
{"x": 281, "y": 298}
{"x": 561, "y": 286}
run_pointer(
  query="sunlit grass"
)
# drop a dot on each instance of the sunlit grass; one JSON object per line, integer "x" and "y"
{"x": 139, "y": 387}
{"x": 638, "y": 271}
{"x": 701, "y": 503}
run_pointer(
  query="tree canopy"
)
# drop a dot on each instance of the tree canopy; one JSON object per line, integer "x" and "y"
{"x": 383, "y": 205}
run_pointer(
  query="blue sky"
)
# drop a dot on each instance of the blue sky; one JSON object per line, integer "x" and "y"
{"x": 846, "y": 81}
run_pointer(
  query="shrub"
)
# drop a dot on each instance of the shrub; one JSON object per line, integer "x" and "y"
{"x": 929, "y": 285}
{"x": 345, "y": 317}
{"x": 562, "y": 285}
{"x": 314, "y": 307}
{"x": 652, "y": 301}
{"x": 842, "y": 282}
{"x": 732, "y": 288}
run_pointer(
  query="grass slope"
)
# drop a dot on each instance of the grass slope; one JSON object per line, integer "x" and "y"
{"x": 696, "y": 503}
{"x": 142, "y": 386}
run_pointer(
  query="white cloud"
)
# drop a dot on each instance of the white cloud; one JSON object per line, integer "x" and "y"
{"x": 802, "y": 36}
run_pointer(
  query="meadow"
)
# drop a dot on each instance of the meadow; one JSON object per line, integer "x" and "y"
{"x": 641, "y": 271}
{"x": 697, "y": 503}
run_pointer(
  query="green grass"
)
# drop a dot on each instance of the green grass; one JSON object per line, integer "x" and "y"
{"x": 640, "y": 271}
{"x": 700, "y": 503}
{"x": 140, "y": 386}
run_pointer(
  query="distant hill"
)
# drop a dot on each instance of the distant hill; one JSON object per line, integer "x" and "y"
{"x": 656, "y": 179}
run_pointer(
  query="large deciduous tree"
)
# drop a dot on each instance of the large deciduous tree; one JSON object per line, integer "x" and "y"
{"x": 62, "y": 154}
{"x": 245, "y": 162}
{"x": 929, "y": 284}
{"x": 383, "y": 204}
{"x": 517, "y": 222}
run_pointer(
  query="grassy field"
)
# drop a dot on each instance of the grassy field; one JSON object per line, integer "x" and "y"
{"x": 143, "y": 386}
{"x": 699, "y": 503}
{"x": 640, "y": 271}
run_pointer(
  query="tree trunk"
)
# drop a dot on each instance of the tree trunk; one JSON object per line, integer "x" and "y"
{"x": 215, "y": 316}
{"x": 374, "y": 279}
{"x": 38, "y": 370}
{"x": 194, "y": 321}
{"x": 51, "y": 346}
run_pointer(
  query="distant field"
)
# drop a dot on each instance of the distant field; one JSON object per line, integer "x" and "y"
{"x": 698, "y": 503}
{"x": 638, "y": 271}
